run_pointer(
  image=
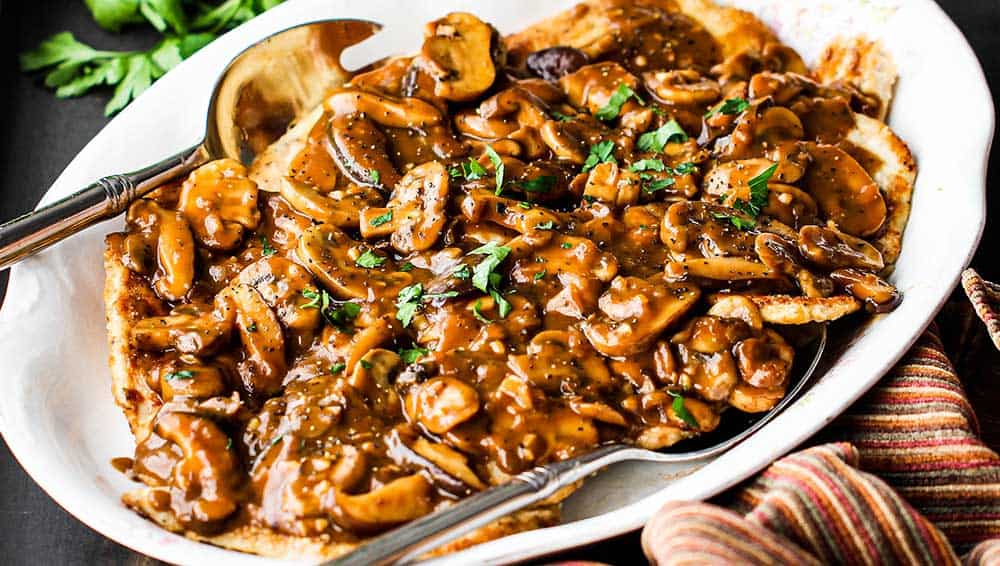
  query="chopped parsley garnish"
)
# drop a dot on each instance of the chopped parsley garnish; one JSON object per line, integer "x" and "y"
{"x": 337, "y": 368}
{"x": 758, "y": 190}
{"x": 477, "y": 311}
{"x": 252, "y": 327}
{"x": 540, "y": 275}
{"x": 602, "y": 152}
{"x": 411, "y": 355}
{"x": 497, "y": 166}
{"x": 658, "y": 184}
{"x": 445, "y": 295}
{"x": 369, "y": 260}
{"x": 547, "y": 225}
{"x": 729, "y": 107}
{"x": 494, "y": 255}
{"x": 265, "y": 247}
{"x": 681, "y": 411}
{"x": 655, "y": 141}
{"x": 541, "y": 184}
{"x": 343, "y": 315}
{"x": 685, "y": 168}
{"x": 503, "y": 305}
{"x": 611, "y": 110}
{"x": 407, "y": 303}
{"x": 381, "y": 219}
{"x": 470, "y": 169}
{"x": 561, "y": 117}
{"x": 738, "y": 222}
{"x": 406, "y": 267}
{"x": 316, "y": 299}
{"x": 182, "y": 374}
{"x": 229, "y": 444}
{"x": 277, "y": 439}
{"x": 648, "y": 165}
{"x": 462, "y": 273}
{"x": 340, "y": 316}
{"x": 366, "y": 364}
{"x": 566, "y": 245}
{"x": 375, "y": 176}
{"x": 524, "y": 204}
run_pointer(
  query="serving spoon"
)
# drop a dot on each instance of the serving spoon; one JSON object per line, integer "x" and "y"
{"x": 258, "y": 95}
{"x": 407, "y": 543}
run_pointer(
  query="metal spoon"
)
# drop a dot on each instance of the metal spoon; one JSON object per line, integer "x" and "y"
{"x": 258, "y": 95}
{"x": 415, "y": 539}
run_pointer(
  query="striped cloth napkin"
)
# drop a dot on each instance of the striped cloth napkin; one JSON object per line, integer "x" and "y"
{"x": 902, "y": 479}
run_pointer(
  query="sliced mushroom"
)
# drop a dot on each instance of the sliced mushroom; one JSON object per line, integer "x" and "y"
{"x": 608, "y": 183}
{"x": 844, "y": 191}
{"x": 559, "y": 361}
{"x": 682, "y": 87}
{"x": 416, "y": 210}
{"x": 191, "y": 379}
{"x": 174, "y": 247}
{"x": 371, "y": 375}
{"x": 765, "y": 361}
{"x": 878, "y": 295}
{"x": 263, "y": 368}
{"x": 782, "y": 256}
{"x": 449, "y": 460}
{"x": 342, "y": 208}
{"x": 280, "y": 283}
{"x": 719, "y": 269}
{"x": 635, "y": 311}
{"x": 326, "y": 252}
{"x": 204, "y": 483}
{"x": 592, "y": 86}
{"x": 569, "y": 271}
{"x": 189, "y": 330}
{"x": 388, "y": 111}
{"x": 398, "y": 501}
{"x": 362, "y": 150}
{"x": 738, "y": 306}
{"x": 460, "y": 51}
{"x": 536, "y": 222}
{"x": 442, "y": 403}
{"x": 832, "y": 249}
{"x": 750, "y": 399}
{"x": 220, "y": 202}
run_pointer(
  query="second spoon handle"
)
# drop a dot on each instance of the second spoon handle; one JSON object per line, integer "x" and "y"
{"x": 108, "y": 197}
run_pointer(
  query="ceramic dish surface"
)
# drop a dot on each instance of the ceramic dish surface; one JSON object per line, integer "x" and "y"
{"x": 56, "y": 409}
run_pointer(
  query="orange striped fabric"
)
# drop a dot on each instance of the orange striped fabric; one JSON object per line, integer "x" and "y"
{"x": 906, "y": 482}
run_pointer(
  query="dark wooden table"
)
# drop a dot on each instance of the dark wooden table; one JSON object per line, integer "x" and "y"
{"x": 42, "y": 134}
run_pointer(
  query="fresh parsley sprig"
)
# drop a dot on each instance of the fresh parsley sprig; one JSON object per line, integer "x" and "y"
{"x": 73, "y": 68}
{"x": 621, "y": 95}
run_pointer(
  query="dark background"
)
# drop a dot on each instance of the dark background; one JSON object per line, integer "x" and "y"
{"x": 42, "y": 134}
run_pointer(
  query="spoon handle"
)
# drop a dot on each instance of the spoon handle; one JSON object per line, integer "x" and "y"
{"x": 108, "y": 197}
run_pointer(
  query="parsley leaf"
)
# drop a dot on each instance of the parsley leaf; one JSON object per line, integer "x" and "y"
{"x": 182, "y": 374}
{"x": 602, "y": 152}
{"x": 658, "y": 185}
{"x": 375, "y": 176}
{"x": 758, "y": 188}
{"x": 497, "y": 166}
{"x": 494, "y": 255}
{"x": 566, "y": 245}
{"x": 477, "y": 311}
{"x": 380, "y": 219}
{"x": 265, "y": 247}
{"x": 407, "y": 303}
{"x": 738, "y": 222}
{"x": 462, "y": 273}
{"x": 648, "y": 165}
{"x": 540, "y": 275}
{"x": 406, "y": 267}
{"x": 369, "y": 260}
{"x": 315, "y": 299}
{"x": 366, "y": 364}
{"x": 682, "y": 412}
{"x": 471, "y": 170}
{"x": 547, "y": 225}
{"x": 561, "y": 117}
{"x": 729, "y": 107}
{"x": 337, "y": 368}
{"x": 655, "y": 141}
{"x": 685, "y": 168}
{"x": 343, "y": 315}
{"x": 411, "y": 355}
{"x": 503, "y": 305}
{"x": 611, "y": 110}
